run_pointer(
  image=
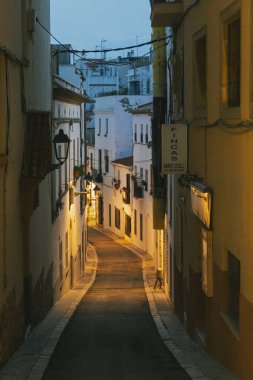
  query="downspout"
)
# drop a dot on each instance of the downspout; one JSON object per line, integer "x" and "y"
{"x": 159, "y": 112}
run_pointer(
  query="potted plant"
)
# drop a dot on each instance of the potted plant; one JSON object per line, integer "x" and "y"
{"x": 77, "y": 172}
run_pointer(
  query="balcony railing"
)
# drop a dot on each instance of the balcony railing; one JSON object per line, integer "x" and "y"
{"x": 165, "y": 13}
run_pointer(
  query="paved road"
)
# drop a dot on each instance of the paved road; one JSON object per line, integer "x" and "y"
{"x": 112, "y": 334}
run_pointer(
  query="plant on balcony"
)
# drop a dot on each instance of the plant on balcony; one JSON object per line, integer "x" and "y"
{"x": 133, "y": 178}
{"x": 77, "y": 172}
{"x": 117, "y": 184}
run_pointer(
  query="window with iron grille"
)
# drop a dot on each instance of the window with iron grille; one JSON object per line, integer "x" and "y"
{"x": 233, "y": 63}
{"x": 117, "y": 218}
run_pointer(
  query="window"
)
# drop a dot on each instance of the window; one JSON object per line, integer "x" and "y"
{"x": 146, "y": 135}
{"x": 117, "y": 218}
{"x": 110, "y": 215}
{"x": 141, "y": 173}
{"x": 78, "y": 153}
{"x": 151, "y": 179}
{"x": 231, "y": 69}
{"x": 106, "y": 127}
{"x": 67, "y": 249}
{"x": 141, "y": 133}
{"x": 135, "y": 170}
{"x": 135, "y": 222}
{"x": 200, "y": 74}
{"x": 148, "y": 86}
{"x": 106, "y": 157}
{"x": 135, "y": 132}
{"x": 74, "y": 152}
{"x": 91, "y": 160}
{"x": 127, "y": 225}
{"x": 99, "y": 126}
{"x": 141, "y": 227}
{"x": 100, "y": 161}
{"x": 146, "y": 180}
{"x": 233, "y": 63}
{"x": 60, "y": 264}
{"x": 234, "y": 287}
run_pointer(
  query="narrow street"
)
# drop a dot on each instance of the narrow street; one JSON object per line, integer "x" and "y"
{"x": 112, "y": 335}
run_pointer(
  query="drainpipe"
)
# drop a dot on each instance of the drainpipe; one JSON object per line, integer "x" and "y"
{"x": 159, "y": 111}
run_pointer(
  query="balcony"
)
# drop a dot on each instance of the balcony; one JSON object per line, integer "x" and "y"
{"x": 138, "y": 191}
{"x": 126, "y": 195}
{"x": 166, "y": 13}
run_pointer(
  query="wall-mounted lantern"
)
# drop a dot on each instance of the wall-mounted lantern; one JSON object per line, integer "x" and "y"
{"x": 59, "y": 140}
{"x": 97, "y": 190}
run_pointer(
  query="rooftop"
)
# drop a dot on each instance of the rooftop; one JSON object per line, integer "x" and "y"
{"x": 125, "y": 161}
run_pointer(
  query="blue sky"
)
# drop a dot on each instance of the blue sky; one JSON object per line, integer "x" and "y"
{"x": 85, "y": 23}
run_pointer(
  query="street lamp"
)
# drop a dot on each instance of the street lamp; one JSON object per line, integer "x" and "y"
{"x": 96, "y": 190}
{"x": 59, "y": 140}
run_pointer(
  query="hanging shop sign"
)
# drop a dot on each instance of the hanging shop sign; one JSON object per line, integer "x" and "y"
{"x": 201, "y": 202}
{"x": 174, "y": 148}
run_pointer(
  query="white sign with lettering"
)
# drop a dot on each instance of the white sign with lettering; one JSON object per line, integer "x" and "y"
{"x": 174, "y": 148}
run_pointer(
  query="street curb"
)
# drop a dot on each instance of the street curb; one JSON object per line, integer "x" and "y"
{"x": 35, "y": 365}
{"x": 43, "y": 361}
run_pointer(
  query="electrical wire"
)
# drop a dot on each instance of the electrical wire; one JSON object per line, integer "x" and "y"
{"x": 241, "y": 127}
{"x": 12, "y": 56}
{"x": 83, "y": 52}
{"x": 114, "y": 49}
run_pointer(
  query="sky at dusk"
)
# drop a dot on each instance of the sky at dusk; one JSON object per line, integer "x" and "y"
{"x": 85, "y": 23}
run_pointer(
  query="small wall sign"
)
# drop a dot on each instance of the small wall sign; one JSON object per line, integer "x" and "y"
{"x": 174, "y": 148}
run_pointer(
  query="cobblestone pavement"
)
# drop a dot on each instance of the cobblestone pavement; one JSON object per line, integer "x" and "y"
{"x": 32, "y": 358}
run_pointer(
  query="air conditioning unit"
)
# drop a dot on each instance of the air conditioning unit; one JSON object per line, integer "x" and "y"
{"x": 207, "y": 261}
